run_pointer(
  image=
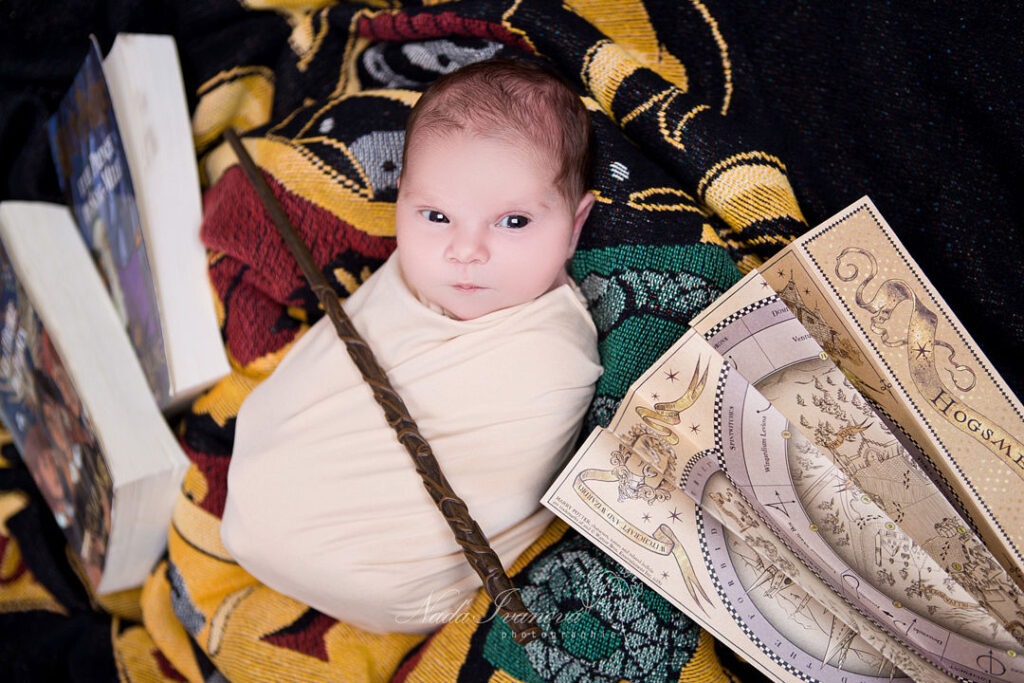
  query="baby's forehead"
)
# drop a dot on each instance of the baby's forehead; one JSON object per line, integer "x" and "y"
{"x": 532, "y": 146}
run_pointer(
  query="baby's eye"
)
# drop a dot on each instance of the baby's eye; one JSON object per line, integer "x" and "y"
{"x": 434, "y": 216}
{"x": 514, "y": 221}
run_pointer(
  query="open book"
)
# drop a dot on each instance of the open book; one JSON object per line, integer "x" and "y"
{"x": 797, "y": 473}
{"x": 122, "y": 144}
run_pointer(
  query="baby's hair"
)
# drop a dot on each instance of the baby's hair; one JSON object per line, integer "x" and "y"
{"x": 503, "y": 98}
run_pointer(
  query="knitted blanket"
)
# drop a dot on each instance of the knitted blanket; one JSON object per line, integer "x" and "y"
{"x": 692, "y": 187}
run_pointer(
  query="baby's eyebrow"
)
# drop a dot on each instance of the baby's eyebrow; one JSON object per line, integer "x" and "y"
{"x": 415, "y": 195}
{"x": 524, "y": 207}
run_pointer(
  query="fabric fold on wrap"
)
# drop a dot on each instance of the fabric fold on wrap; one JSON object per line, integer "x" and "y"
{"x": 324, "y": 503}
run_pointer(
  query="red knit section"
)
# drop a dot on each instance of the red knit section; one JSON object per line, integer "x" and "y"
{"x": 255, "y": 276}
{"x": 305, "y": 635}
{"x": 165, "y": 667}
{"x": 215, "y": 471}
{"x": 405, "y": 25}
{"x": 255, "y": 323}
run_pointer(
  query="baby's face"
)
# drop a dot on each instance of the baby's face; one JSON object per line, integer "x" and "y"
{"x": 480, "y": 224}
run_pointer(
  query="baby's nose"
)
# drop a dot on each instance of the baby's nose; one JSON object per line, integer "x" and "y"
{"x": 467, "y": 245}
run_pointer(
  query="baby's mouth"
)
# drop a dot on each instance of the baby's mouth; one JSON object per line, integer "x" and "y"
{"x": 466, "y": 287}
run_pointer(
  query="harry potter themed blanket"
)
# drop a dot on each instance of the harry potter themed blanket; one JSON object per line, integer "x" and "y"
{"x": 322, "y": 502}
{"x": 721, "y": 132}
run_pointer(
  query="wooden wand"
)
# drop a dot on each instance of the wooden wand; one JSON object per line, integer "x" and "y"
{"x": 468, "y": 534}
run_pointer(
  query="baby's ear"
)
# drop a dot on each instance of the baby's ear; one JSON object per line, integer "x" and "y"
{"x": 579, "y": 218}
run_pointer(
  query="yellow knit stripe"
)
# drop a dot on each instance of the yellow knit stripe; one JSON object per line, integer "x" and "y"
{"x": 708, "y": 235}
{"x": 663, "y": 199}
{"x": 165, "y": 631}
{"x": 506, "y": 21}
{"x": 670, "y": 128}
{"x": 703, "y": 666}
{"x": 21, "y": 591}
{"x": 134, "y": 655}
{"x": 202, "y": 529}
{"x": 124, "y": 604}
{"x": 748, "y": 263}
{"x": 675, "y": 134}
{"x": 241, "y": 98}
{"x": 752, "y": 157}
{"x": 723, "y": 51}
{"x": 755, "y": 241}
{"x": 222, "y": 401}
{"x": 628, "y": 24}
{"x": 605, "y": 66}
{"x": 751, "y": 192}
{"x": 658, "y": 98}
{"x": 307, "y": 34}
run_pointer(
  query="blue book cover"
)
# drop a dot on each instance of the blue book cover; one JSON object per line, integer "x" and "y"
{"x": 42, "y": 410}
{"x": 93, "y": 171}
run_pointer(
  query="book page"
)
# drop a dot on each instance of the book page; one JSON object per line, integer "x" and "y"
{"x": 867, "y": 303}
{"x": 675, "y": 435}
{"x": 768, "y": 345}
{"x": 746, "y": 599}
{"x": 728, "y": 426}
{"x": 146, "y": 87}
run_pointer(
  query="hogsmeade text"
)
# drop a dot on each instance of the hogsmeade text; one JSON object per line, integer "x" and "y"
{"x": 991, "y": 434}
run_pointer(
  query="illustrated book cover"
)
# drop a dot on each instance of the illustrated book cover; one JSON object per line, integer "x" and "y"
{"x": 76, "y": 403}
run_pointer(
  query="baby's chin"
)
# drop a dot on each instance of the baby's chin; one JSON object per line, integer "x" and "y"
{"x": 478, "y": 304}
{"x": 470, "y": 305}
{"x": 472, "y": 302}
{"x": 461, "y": 311}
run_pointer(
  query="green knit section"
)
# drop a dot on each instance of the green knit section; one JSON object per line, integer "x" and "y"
{"x": 504, "y": 653}
{"x": 710, "y": 260}
{"x": 631, "y": 348}
{"x": 583, "y": 635}
{"x": 642, "y": 299}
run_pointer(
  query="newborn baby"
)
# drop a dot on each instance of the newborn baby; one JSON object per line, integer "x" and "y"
{"x": 482, "y": 334}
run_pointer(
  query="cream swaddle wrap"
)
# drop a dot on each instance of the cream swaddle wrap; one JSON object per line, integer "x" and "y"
{"x": 324, "y": 504}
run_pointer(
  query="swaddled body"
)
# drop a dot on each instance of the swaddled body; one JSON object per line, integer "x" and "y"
{"x": 325, "y": 504}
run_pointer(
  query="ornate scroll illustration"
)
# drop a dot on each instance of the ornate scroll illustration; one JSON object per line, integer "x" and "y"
{"x": 922, "y": 350}
{"x": 643, "y": 467}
